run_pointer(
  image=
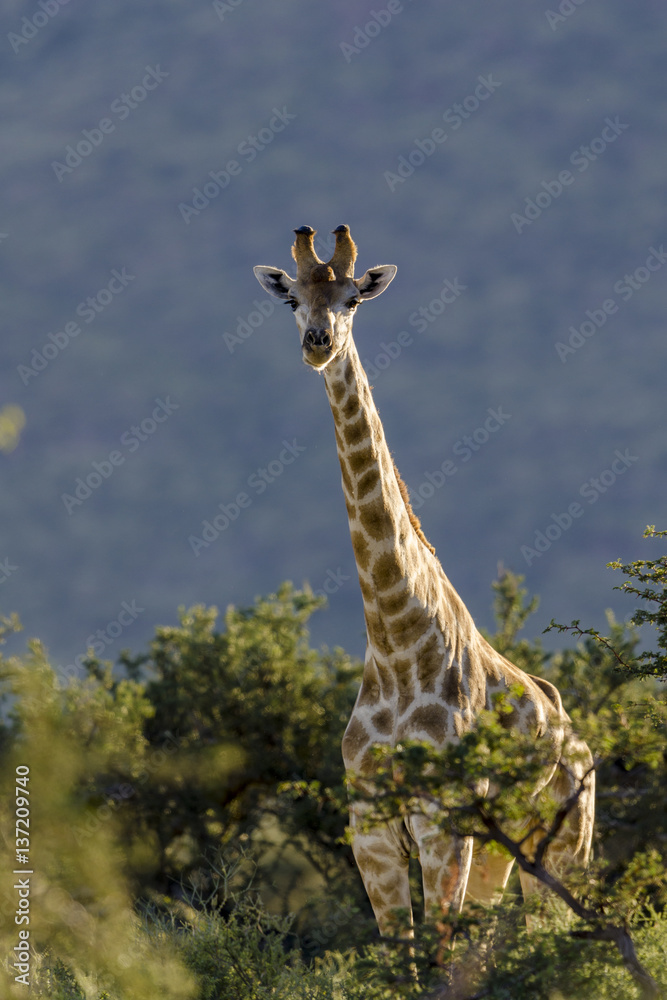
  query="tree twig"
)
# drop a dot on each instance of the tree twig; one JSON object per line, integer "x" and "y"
{"x": 560, "y": 817}
{"x": 618, "y": 935}
{"x": 603, "y": 640}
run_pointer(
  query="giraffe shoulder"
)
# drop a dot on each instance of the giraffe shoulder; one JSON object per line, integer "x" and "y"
{"x": 550, "y": 690}
{"x": 498, "y": 666}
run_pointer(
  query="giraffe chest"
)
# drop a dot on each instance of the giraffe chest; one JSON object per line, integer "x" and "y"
{"x": 423, "y": 698}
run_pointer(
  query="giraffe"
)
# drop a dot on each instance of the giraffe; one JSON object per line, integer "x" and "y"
{"x": 427, "y": 670}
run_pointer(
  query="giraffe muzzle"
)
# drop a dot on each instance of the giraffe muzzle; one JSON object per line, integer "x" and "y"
{"x": 317, "y": 346}
{"x": 317, "y": 338}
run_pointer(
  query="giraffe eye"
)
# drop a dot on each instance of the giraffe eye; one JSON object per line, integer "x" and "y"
{"x": 353, "y": 303}
{"x": 293, "y": 304}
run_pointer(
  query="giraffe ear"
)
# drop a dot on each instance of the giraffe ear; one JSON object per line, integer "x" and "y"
{"x": 375, "y": 280}
{"x": 274, "y": 281}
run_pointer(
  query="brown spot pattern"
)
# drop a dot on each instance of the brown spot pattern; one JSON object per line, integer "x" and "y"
{"x": 429, "y": 664}
{"x": 408, "y": 628}
{"x": 376, "y": 632}
{"x": 383, "y": 850}
{"x": 370, "y": 686}
{"x": 356, "y": 433}
{"x": 345, "y": 476}
{"x": 360, "y": 460}
{"x": 406, "y": 692}
{"x": 339, "y": 391}
{"x": 352, "y": 512}
{"x": 395, "y": 603}
{"x": 387, "y": 685}
{"x": 476, "y": 682}
{"x": 367, "y": 591}
{"x": 339, "y": 443}
{"x": 367, "y": 483}
{"x": 351, "y": 407}
{"x": 432, "y": 719}
{"x": 375, "y": 520}
{"x": 354, "y": 740}
{"x": 508, "y": 719}
{"x": 368, "y": 764}
{"x": 383, "y": 721}
{"x": 362, "y": 552}
{"x": 391, "y": 895}
{"x": 451, "y": 686}
{"x": 369, "y": 693}
{"x": 386, "y": 571}
{"x": 373, "y": 865}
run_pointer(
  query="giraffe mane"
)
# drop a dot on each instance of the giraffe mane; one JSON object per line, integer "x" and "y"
{"x": 414, "y": 520}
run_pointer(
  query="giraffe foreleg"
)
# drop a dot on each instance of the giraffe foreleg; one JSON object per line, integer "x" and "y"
{"x": 445, "y": 861}
{"x": 489, "y": 873}
{"x": 382, "y": 854}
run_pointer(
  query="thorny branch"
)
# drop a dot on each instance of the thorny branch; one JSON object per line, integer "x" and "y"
{"x": 618, "y": 935}
{"x": 574, "y": 628}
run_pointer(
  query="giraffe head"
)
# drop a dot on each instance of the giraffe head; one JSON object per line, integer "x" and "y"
{"x": 324, "y": 295}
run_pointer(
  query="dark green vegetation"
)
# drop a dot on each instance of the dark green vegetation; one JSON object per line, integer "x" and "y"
{"x": 162, "y": 336}
{"x": 188, "y": 813}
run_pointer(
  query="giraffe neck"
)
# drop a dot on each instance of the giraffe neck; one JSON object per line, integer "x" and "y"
{"x": 405, "y": 591}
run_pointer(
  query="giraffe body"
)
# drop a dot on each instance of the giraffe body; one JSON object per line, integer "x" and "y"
{"x": 427, "y": 672}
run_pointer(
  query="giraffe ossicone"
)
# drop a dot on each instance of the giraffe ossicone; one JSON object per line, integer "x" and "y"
{"x": 428, "y": 672}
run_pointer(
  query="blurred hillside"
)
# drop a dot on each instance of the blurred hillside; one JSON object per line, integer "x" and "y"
{"x": 157, "y": 391}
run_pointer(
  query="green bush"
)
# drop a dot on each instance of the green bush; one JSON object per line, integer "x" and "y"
{"x": 171, "y": 860}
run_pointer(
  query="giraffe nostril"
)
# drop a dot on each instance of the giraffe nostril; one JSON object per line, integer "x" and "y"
{"x": 317, "y": 338}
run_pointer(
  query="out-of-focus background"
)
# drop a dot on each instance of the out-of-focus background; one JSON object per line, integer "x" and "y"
{"x": 153, "y": 152}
